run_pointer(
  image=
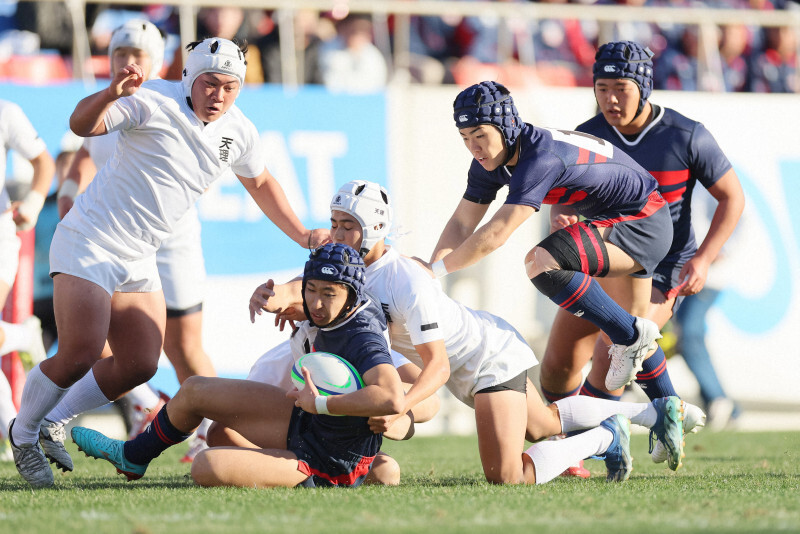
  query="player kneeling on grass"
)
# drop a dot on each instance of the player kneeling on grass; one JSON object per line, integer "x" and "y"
{"x": 306, "y": 444}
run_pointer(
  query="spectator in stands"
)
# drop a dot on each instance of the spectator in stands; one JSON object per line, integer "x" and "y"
{"x": 351, "y": 63}
{"x": 264, "y": 56}
{"x": 676, "y": 68}
{"x": 775, "y": 69}
{"x": 734, "y": 52}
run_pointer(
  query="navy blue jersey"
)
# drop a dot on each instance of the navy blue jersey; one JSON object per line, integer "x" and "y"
{"x": 678, "y": 152}
{"x": 588, "y": 174}
{"x": 360, "y": 340}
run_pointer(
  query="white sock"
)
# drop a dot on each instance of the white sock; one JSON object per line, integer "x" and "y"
{"x": 581, "y": 412}
{"x": 18, "y": 337}
{"x": 7, "y": 409}
{"x": 551, "y": 458}
{"x": 143, "y": 396}
{"x": 83, "y": 396}
{"x": 39, "y": 396}
{"x": 202, "y": 430}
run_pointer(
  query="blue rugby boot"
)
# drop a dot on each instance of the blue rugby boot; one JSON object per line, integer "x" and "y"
{"x": 668, "y": 429}
{"x": 97, "y": 446}
{"x": 619, "y": 462}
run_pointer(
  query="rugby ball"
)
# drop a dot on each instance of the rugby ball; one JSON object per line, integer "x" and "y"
{"x": 331, "y": 374}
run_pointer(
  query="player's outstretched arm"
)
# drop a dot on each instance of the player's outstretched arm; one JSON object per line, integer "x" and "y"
{"x": 484, "y": 240}
{"x": 274, "y": 298}
{"x": 269, "y": 196}
{"x": 87, "y": 119}
{"x": 460, "y": 226}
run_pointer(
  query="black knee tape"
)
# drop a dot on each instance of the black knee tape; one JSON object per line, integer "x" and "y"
{"x": 550, "y": 283}
{"x": 578, "y": 247}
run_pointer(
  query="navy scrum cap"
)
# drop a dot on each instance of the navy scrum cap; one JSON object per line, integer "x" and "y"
{"x": 339, "y": 263}
{"x": 626, "y": 59}
{"x": 488, "y": 103}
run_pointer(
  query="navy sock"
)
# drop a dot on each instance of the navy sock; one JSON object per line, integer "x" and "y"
{"x": 552, "y": 397}
{"x": 591, "y": 391}
{"x": 158, "y": 437}
{"x": 582, "y": 296}
{"x": 654, "y": 378}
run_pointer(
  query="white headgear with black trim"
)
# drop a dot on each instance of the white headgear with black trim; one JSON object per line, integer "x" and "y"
{"x": 141, "y": 34}
{"x": 368, "y": 202}
{"x": 214, "y": 55}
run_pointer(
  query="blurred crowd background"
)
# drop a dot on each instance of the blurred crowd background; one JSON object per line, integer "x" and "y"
{"x": 357, "y": 52}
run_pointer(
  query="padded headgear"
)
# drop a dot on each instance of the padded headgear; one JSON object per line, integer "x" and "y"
{"x": 626, "y": 59}
{"x": 339, "y": 263}
{"x": 368, "y": 202}
{"x": 214, "y": 55}
{"x": 488, "y": 103}
{"x": 141, "y": 34}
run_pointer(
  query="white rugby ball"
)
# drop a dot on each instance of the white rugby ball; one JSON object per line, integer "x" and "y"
{"x": 331, "y": 374}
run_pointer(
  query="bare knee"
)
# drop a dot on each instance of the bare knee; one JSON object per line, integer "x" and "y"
{"x": 385, "y": 471}
{"x": 538, "y": 260}
{"x": 202, "y": 471}
{"x": 503, "y": 474}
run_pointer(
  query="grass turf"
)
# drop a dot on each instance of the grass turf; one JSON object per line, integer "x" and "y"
{"x": 730, "y": 482}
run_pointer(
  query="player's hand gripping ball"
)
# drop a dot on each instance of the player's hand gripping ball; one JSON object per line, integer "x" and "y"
{"x": 331, "y": 374}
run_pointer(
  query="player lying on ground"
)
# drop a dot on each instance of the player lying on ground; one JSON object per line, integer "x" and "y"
{"x": 303, "y": 440}
{"x": 486, "y": 357}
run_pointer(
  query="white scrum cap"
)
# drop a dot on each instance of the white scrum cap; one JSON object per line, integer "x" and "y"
{"x": 141, "y": 34}
{"x": 214, "y": 55}
{"x": 368, "y": 202}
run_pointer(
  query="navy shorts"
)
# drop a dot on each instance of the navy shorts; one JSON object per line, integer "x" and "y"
{"x": 667, "y": 280}
{"x": 329, "y": 462}
{"x": 646, "y": 237}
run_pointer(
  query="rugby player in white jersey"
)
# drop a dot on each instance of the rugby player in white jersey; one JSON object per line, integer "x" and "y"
{"x": 179, "y": 258}
{"x": 18, "y": 134}
{"x": 175, "y": 139}
{"x": 480, "y": 357}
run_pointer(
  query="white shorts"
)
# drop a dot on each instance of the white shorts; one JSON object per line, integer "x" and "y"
{"x": 502, "y": 355}
{"x": 181, "y": 265}
{"x": 9, "y": 249}
{"x": 274, "y": 367}
{"x": 74, "y": 254}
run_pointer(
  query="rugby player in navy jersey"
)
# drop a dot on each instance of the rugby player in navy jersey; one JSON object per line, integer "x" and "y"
{"x": 679, "y": 153}
{"x": 626, "y": 231}
{"x": 302, "y": 444}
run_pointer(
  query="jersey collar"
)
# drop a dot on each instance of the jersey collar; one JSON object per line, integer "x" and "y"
{"x": 641, "y": 135}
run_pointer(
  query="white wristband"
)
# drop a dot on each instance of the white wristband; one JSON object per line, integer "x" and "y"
{"x": 321, "y": 404}
{"x": 438, "y": 268}
{"x": 68, "y": 189}
{"x": 30, "y": 207}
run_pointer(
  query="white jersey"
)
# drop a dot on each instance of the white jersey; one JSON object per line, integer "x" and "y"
{"x": 164, "y": 159}
{"x": 18, "y": 134}
{"x": 483, "y": 349}
{"x": 180, "y": 261}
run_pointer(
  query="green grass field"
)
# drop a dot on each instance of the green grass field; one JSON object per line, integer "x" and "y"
{"x": 730, "y": 482}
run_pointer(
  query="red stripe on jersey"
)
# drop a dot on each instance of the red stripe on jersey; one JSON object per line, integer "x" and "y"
{"x": 671, "y": 177}
{"x": 583, "y": 156}
{"x": 654, "y": 203}
{"x": 347, "y": 479}
{"x": 599, "y": 158}
{"x": 578, "y": 293}
{"x": 673, "y": 196}
{"x": 554, "y": 195}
